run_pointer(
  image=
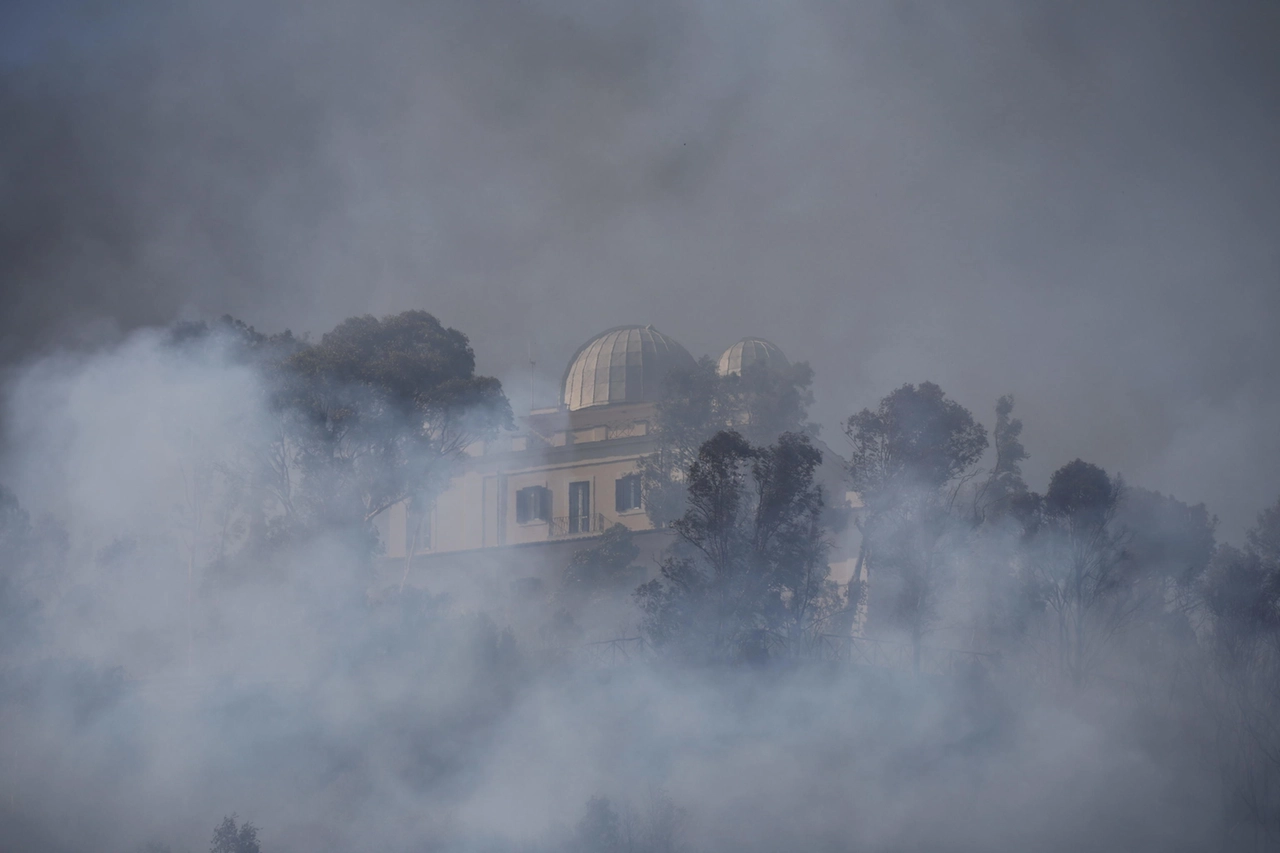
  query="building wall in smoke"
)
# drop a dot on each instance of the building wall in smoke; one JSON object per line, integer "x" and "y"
{"x": 476, "y": 526}
{"x": 553, "y": 450}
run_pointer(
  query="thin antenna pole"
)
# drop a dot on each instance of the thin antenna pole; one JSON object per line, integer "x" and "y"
{"x": 531, "y": 366}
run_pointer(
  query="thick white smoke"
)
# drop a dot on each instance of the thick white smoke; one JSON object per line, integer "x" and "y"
{"x": 282, "y": 693}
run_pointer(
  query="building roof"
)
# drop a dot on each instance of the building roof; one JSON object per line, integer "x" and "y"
{"x": 750, "y": 351}
{"x": 625, "y": 364}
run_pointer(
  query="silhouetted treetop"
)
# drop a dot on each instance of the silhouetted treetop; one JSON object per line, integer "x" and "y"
{"x": 228, "y": 838}
{"x": 917, "y": 436}
{"x": 1082, "y": 491}
{"x": 1264, "y": 536}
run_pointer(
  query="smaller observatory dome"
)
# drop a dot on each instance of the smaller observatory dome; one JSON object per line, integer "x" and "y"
{"x": 750, "y": 351}
{"x": 625, "y": 364}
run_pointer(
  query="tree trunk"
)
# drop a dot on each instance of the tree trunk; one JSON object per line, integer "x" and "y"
{"x": 413, "y": 547}
{"x": 1077, "y": 663}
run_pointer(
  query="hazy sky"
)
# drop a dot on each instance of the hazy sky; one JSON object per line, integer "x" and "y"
{"x": 1076, "y": 203}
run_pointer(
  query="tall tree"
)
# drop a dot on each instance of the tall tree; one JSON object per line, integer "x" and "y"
{"x": 753, "y": 556}
{"x": 259, "y": 483}
{"x": 1077, "y": 564}
{"x": 996, "y": 495}
{"x": 910, "y": 458}
{"x": 760, "y": 403}
{"x": 1170, "y": 545}
{"x": 988, "y": 591}
{"x": 1241, "y": 683}
{"x": 371, "y": 415}
{"x": 382, "y": 407}
{"x": 1264, "y": 537}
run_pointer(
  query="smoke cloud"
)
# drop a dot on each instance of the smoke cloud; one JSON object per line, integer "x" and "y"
{"x": 1076, "y": 205}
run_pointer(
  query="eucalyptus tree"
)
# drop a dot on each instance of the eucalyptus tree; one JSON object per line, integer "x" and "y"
{"x": 910, "y": 458}
{"x": 1077, "y": 564}
{"x": 751, "y": 560}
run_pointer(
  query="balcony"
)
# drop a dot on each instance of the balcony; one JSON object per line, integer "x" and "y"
{"x": 572, "y": 526}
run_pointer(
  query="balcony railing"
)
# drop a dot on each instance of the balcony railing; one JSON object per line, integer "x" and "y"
{"x": 568, "y": 526}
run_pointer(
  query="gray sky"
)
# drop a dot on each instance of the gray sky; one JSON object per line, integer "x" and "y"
{"x": 1075, "y": 203}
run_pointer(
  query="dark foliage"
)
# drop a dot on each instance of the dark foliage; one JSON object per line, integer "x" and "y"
{"x": 761, "y": 403}
{"x": 228, "y": 838}
{"x": 373, "y": 414}
{"x": 916, "y": 438}
{"x": 380, "y": 405}
{"x": 910, "y": 457}
{"x": 1077, "y": 565}
{"x": 754, "y": 558}
{"x": 1004, "y": 486}
{"x": 1240, "y": 688}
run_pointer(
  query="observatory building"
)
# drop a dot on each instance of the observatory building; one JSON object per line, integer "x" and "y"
{"x": 568, "y": 472}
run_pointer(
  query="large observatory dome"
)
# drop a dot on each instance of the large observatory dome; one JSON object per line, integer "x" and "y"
{"x": 750, "y": 351}
{"x": 622, "y": 365}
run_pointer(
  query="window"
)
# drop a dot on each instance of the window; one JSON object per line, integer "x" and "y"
{"x": 532, "y": 504}
{"x": 580, "y": 507}
{"x": 627, "y": 493}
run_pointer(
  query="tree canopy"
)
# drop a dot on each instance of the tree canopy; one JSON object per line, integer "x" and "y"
{"x": 754, "y": 555}
{"x": 228, "y": 838}
{"x": 916, "y": 438}
{"x": 382, "y": 403}
{"x": 909, "y": 458}
{"x": 761, "y": 403}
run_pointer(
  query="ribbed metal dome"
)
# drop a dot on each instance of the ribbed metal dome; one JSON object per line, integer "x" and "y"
{"x": 626, "y": 364}
{"x": 750, "y": 351}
